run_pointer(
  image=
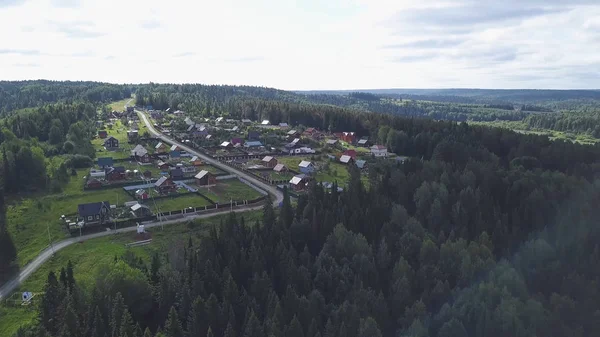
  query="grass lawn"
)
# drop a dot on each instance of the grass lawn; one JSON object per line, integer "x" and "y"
{"x": 28, "y": 217}
{"x": 292, "y": 162}
{"x": 280, "y": 176}
{"x": 120, "y": 105}
{"x": 337, "y": 172}
{"x": 156, "y": 172}
{"x": 210, "y": 169}
{"x": 89, "y": 255}
{"x": 229, "y": 189}
{"x": 119, "y": 131}
{"x": 177, "y": 203}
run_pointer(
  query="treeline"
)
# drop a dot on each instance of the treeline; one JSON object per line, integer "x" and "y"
{"x": 576, "y": 123}
{"x": 16, "y": 95}
{"x": 216, "y": 100}
{"x": 430, "y": 249}
{"x": 28, "y": 138}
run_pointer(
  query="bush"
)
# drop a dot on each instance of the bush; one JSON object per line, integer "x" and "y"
{"x": 79, "y": 161}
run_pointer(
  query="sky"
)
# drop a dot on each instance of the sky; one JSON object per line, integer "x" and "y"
{"x": 306, "y": 44}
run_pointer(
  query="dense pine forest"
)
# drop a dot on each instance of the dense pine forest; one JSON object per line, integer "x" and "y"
{"x": 483, "y": 232}
{"x": 26, "y": 94}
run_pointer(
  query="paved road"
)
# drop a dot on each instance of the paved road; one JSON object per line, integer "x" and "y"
{"x": 273, "y": 191}
{"x": 47, "y": 253}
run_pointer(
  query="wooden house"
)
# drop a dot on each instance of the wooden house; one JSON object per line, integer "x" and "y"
{"x": 161, "y": 148}
{"x": 269, "y": 161}
{"x": 379, "y": 151}
{"x": 115, "y": 173}
{"x": 348, "y": 137}
{"x": 306, "y": 167}
{"x": 205, "y": 178}
{"x": 280, "y": 168}
{"x": 111, "y": 143}
{"x": 140, "y": 154}
{"x": 95, "y": 213}
{"x": 165, "y": 185}
{"x": 351, "y": 153}
{"x": 298, "y": 182}
{"x": 102, "y": 134}
{"x": 195, "y": 161}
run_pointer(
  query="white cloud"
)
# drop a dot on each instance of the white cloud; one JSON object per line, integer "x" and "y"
{"x": 307, "y": 44}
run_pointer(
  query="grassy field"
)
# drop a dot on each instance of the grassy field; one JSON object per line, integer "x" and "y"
{"x": 292, "y": 162}
{"x": 119, "y": 105}
{"x": 28, "y": 217}
{"x": 119, "y": 131}
{"x": 229, "y": 189}
{"x": 178, "y": 203}
{"x": 280, "y": 176}
{"x": 210, "y": 169}
{"x": 337, "y": 172}
{"x": 156, "y": 172}
{"x": 520, "y": 127}
{"x": 89, "y": 255}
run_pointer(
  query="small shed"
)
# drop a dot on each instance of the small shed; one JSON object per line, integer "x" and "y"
{"x": 205, "y": 178}
{"x": 344, "y": 159}
{"x": 280, "y": 168}
{"x": 269, "y": 161}
{"x": 141, "y": 194}
{"x": 196, "y": 161}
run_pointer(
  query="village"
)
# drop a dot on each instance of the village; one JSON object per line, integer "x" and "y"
{"x": 150, "y": 178}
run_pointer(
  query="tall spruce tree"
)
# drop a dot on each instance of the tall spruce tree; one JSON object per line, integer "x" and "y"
{"x": 173, "y": 325}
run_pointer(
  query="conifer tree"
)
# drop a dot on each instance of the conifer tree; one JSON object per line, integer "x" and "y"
{"x": 173, "y": 325}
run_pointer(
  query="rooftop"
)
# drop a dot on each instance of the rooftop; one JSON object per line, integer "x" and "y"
{"x": 201, "y": 174}
{"x": 304, "y": 163}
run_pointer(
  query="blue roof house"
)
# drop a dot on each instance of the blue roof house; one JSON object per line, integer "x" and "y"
{"x": 254, "y": 143}
{"x": 105, "y": 162}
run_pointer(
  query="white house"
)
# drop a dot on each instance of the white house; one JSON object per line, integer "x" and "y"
{"x": 303, "y": 150}
{"x": 379, "y": 151}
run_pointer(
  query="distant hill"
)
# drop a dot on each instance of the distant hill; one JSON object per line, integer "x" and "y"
{"x": 474, "y": 95}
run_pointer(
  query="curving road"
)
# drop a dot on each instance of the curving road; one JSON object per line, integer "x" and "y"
{"x": 273, "y": 191}
{"x": 47, "y": 253}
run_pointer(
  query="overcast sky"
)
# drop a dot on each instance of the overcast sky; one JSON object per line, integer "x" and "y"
{"x": 306, "y": 44}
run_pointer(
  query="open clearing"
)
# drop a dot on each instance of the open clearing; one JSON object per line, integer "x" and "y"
{"x": 177, "y": 203}
{"x": 229, "y": 189}
{"x": 28, "y": 217}
{"x": 89, "y": 255}
{"x": 119, "y": 105}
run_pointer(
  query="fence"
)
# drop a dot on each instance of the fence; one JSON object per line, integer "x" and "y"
{"x": 117, "y": 185}
{"x": 257, "y": 176}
